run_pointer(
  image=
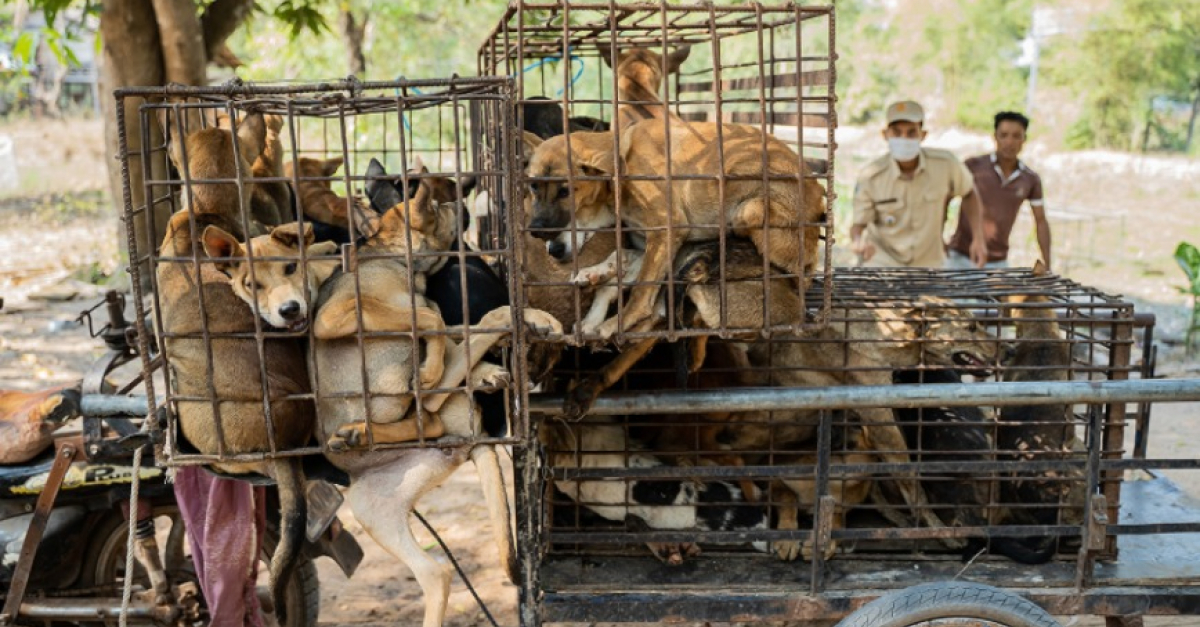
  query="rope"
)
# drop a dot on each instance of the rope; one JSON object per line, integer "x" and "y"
{"x": 127, "y": 591}
{"x": 458, "y": 568}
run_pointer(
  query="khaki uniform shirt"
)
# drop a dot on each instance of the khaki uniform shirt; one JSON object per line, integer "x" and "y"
{"x": 904, "y": 217}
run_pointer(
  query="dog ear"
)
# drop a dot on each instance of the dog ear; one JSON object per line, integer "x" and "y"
{"x": 468, "y": 185}
{"x": 1039, "y": 268}
{"x": 529, "y": 143}
{"x": 290, "y": 234}
{"x": 218, "y": 243}
{"x": 411, "y": 214}
{"x": 329, "y": 167}
{"x": 382, "y": 193}
{"x": 606, "y": 53}
{"x": 677, "y": 57}
{"x": 593, "y": 153}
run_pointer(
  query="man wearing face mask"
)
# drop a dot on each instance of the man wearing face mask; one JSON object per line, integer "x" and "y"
{"x": 901, "y": 198}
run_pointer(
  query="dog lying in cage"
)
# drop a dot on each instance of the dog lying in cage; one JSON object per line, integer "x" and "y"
{"x": 219, "y": 385}
{"x": 647, "y": 504}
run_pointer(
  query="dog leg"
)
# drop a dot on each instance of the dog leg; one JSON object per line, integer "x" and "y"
{"x": 378, "y": 495}
{"x": 762, "y": 221}
{"x": 656, "y": 262}
{"x": 581, "y": 396}
{"x": 598, "y": 312}
{"x": 883, "y": 435}
{"x": 354, "y": 434}
{"x": 462, "y": 359}
{"x": 787, "y": 505}
{"x": 499, "y": 513}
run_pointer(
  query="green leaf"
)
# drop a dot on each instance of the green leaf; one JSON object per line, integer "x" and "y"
{"x": 1188, "y": 258}
{"x": 23, "y": 49}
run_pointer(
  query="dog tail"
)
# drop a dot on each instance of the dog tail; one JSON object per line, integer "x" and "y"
{"x": 293, "y": 515}
{"x": 1030, "y": 551}
{"x": 496, "y": 496}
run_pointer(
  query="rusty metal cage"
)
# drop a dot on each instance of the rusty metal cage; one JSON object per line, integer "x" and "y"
{"x": 788, "y": 449}
{"x": 242, "y": 262}
{"x": 729, "y": 109}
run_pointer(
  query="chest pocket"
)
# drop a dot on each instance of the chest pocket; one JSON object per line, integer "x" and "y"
{"x": 889, "y": 214}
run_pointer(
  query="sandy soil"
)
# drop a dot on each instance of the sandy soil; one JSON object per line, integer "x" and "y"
{"x": 1132, "y": 211}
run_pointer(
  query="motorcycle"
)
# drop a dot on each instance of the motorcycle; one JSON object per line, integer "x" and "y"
{"x": 64, "y": 520}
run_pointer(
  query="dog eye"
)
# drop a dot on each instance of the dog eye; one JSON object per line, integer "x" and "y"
{"x": 289, "y": 269}
{"x": 564, "y": 191}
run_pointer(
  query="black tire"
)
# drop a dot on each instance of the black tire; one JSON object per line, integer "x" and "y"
{"x": 968, "y": 602}
{"x": 104, "y": 565}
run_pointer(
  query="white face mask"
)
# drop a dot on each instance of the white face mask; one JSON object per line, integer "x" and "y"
{"x": 904, "y": 149}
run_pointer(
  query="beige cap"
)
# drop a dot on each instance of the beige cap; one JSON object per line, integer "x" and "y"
{"x": 905, "y": 111}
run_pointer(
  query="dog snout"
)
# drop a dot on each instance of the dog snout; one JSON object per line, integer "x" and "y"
{"x": 539, "y": 225}
{"x": 291, "y": 310}
{"x": 557, "y": 249}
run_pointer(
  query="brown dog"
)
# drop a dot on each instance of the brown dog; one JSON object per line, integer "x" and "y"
{"x": 792, "y": 495}
{"x": 317, "y": 200}
{"x": 781, "y": 220}
{"x": 271, "y": 201}
{"x": 219, "y": 383}
{"x": 639, "y": 74}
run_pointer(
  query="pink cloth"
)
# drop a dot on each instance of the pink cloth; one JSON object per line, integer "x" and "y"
{"x": 225, "y": 520}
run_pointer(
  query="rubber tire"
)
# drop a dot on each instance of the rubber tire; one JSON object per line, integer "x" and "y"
{"x": 303, "y": 592}
{"x": 949, "y": 599}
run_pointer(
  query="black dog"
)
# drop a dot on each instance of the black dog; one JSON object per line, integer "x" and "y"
{"x": 949, "y": 434}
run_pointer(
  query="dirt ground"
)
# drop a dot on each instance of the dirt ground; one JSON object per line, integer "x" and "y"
{"x": 1118, "y": 222}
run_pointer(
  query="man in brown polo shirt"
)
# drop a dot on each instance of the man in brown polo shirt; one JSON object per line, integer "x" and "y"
{"x": 1003, "y": 183}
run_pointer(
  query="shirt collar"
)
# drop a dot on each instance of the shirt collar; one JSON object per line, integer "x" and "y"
{"x": 920, "y": 164}
{"x": 1012, "y": 177}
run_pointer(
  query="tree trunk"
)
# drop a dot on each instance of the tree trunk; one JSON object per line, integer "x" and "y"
{"x": 352, "y": 35}
{"x": 132, "y": 56}
{"x": 1191, "y": 132}
{"x": 183, "y": 53}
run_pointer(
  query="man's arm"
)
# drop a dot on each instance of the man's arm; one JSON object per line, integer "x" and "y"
{"x": 864, "y": 214}
{"x": 973, "y": 209}
{"x": 1042, "y": 226}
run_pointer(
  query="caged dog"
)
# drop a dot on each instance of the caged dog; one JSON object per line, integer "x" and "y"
{"x": 656, "y": 504}
{"x": 782, "y": 222}
{"x": 1039, "y": 432}
{"x": 387, "y": 293}
{"x": 196, "y": 301}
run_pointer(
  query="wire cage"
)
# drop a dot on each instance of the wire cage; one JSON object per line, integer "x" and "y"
{"x": 301, "y": 248}
{"x": 723, "y": 114}
{"x": 833, "y": 490}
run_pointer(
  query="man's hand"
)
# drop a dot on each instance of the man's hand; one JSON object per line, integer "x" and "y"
{"x": 863, "y": 248}
{"x": 979, "y": 252}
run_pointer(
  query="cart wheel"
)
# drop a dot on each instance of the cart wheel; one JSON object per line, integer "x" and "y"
{"x": 950, "y": 604}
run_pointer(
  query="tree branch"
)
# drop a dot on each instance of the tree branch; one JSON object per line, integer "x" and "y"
{"x": 184, "y": 58}
{"x": 220, "y": 19}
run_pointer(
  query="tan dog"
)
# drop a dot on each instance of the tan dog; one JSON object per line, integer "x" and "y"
{"x": 234, "y": 422}
{"x": 388, "y": 296}
{"x": 782, "y": 224}
{"x": 275, "y": 282}
{"x": 272, "y": 200}
{"x": 317, "y": 200}
{"x": 792, "y": 495}
{"x": 639, "y": 74}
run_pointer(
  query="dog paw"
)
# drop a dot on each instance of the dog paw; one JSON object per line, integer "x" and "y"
{"x": 606, "y": 329}
{"x": 592, "y": 275}
{"x": 353, "y": 435}
{"x": 673, "y": 553}
{"x": 786, "y": 550}
{"x": 807, "y": 550}
{"x": 491, "y": 375}
{"x": 542, "y": 323}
